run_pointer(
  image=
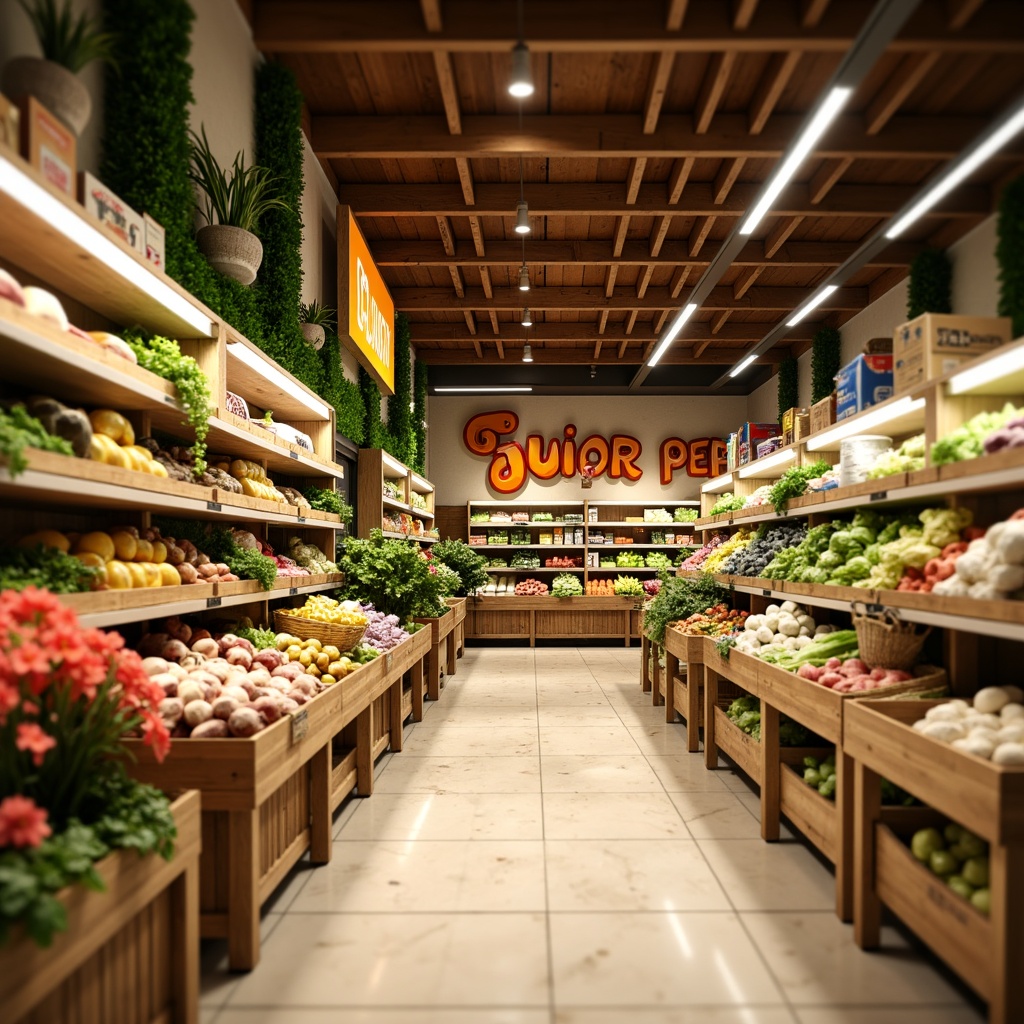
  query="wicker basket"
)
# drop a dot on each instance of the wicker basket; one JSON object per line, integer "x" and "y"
{"x": 342, "y": 637}
{"x": 887, "y": 642}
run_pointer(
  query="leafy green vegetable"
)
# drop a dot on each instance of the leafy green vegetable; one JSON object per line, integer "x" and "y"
{"x": 468, "y": 563}
{"x": 259, "y": 638}
{"x": 566, "y": 585}
{"x": 18, "y": 431}
{"x": 968, "y": 440}
{"x": 728, "y": 502}
{"x": 217, "y": 542}
{"x": 628, "y": 586}
{"x": 328, "y": 501}
{"x": 793, "y": 483}
{"x": 682, "y": 514}
{"x": 47, "y": 568}
{"x": 679, "y": 598}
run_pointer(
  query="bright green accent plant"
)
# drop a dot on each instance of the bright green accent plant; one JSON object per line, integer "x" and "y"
{"x": 400, "y": 421}
{"x": 419, "y": 415}
{"x": 566, "y": 585}
{"x": 826, "y": 353}
{"x": 793, "y": 483}
{"x": 376, "y": 432}
{"x": 679, "y": 598}
{"x": 469, "y": 564}
{"x": 329, "y": 501}
{"x": 929, "y": 289}
{"x": 1010, "y": 254}
{"x": 315, "y": 313}
{"x": 73, "y": 42}
{"x": 789, "y": 385}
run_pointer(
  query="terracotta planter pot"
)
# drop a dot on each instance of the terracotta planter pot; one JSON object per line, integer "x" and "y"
{"x": 314, "y": 335}
{"x": 58, "y": 89}
{"x": 234, "y": 252}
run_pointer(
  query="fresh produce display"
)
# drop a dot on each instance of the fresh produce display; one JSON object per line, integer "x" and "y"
{"x": 851, "y": 675}
{"x": 531, "y": 588}
{"x": 826, "y": 482}
{"x": 907, "y": 458}
{"x": 383, "y": 632}
{"x": 657, "y": 560}
{"x": 992, "y": 567}
{"x": 697, "y": 559}
{"x": 497, "y": 563}
{"x": 259, "y": 638}
{"x": 935, "y": 571}
{"x": 990, "y": 727}
{"x": 793, "y": 483}
{"x": 254, "y": 480}
{"x": 469, "y": 564}
{"x": 448, "y": 578}
{"x": 728, "y": 502}
{"x": 628, "y": 586}
{"x": 294, "y": 497}
{"x": 113, "y": 443}
{"x": 390, "y": 490}
{"x": 821, "y": 775}
{"x": 525, "y": 560}
{"x": 321, "y": 608}
{"x": 601, "y": 588}
{"x": 61, "y": 421}
{"x": 309, "y": 556}
{"x": 48, "y": 567}
{"x": 328, "y": 501}
{"x": 823, "y": 648}
{"x": 657, "y": 515}
{"x": 245, "y": 556}
{"x": 770, "y": 539}
{"x": 968, "y": 440}
{"x": 745, "y": 714}
{"x": 759, "y": 497}
{"x": 480, "y": 517}
{"x": 719, "y": 620}
{"x": 959, "y": 858}
{"x": 179, "y": 461}
{"x": 542, "y": 517}
{"x": 629, "y": 560}
{"x": 566, "y": 585}
{"x": 1010, "y": 436}
{"x": 418, "y": 501}
{"x": 724, "y": 551}
{"x": 652, "y": 587}
{"x": 18, "y": 431}
{"x": 559, "y": 562}
{"x": 607, "y": 563}
{"x": 679, "y": 598}
{"x": 785, "y": 627}
{"x": 685, "y": 515}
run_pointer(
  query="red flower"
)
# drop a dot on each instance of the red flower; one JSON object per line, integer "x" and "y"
{"x": 22, "y": 823}
{"x": 32, "y": 738}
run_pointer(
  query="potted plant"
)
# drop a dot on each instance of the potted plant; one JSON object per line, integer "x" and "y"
{"x": 314, "y": 320}
{"x": 235, "y": 202}
{"x": 68, "y": 43}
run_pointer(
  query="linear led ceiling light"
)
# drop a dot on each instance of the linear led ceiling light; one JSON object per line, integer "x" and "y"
{"x": 960, "y": 169}
{"x": 270, "y": 373}
{"x": 825, "y": 115}
{"x": 502, "y": 389}
{"x": 527, "y": 320}
{"x": 811, "y": 304}
{"x": 865, "y": 421}
{"x": 22, "y": 189}
{"x": 738, "y": 369}
{"x": 768, "y": 462}
{"x": 1003, "y": 365}
{"x": 719, "y": 483}
{"x": 527, "y": 353}
{"x": 677, "y": 325}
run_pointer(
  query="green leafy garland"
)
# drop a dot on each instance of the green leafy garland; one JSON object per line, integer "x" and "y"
{"x": 399, "y": 413}
{"x": 789, "y": 385}
{"x": 930, "y": 284}
{"x": 342, "y": 393}
{"x": 1010, "y": 254}
{"x": 419, "y": 415}
{"x": 825, "y": 359}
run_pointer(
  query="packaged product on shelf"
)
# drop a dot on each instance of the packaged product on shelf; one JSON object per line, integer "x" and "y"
{"x": 864, "y": 382}
{"x": 823, "y": 413}
{"x": 748, "y": 437}
{"x": 112, "y": 212}
{"x": 857, "y": 455}
{"x": 48, "y": 145}
{"x": 9, "y": 116}
{"x": 936, "y": 343}
{"x": 156, "y": 242}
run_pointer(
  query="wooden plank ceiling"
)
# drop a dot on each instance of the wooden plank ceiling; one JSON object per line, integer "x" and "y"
{"x": 652, "y": 126}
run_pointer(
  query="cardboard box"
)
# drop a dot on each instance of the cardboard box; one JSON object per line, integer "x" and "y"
{"x": 862, "y": 383}
{"x": 800, "y": 429}
{"x": 790, "y": 418}
{"x": 8, "y": 124}
{"x": 931, "y": 345}
{"x": 749, "y": 436}
{"x": 48, "y": 145}
{"x": 767, "y": 447}
{"x": 878, "y": 346}
{"x": 112, "y": 212}
{"x": 823, "y": 413}
{"x": 156, "y": 245}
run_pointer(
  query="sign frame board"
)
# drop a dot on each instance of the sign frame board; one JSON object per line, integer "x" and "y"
{"x": 366, "y": 310}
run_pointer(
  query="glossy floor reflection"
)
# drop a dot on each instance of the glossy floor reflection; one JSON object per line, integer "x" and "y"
{"x": 544, "y": 851}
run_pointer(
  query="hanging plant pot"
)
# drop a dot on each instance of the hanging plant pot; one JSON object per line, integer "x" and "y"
{"x": 234, "y": 252}
{"x": 58, "y": 89}
{"x": 314, "y": 335}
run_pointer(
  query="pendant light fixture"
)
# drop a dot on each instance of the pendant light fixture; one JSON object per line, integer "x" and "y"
{"x": 524, "y": 277}
{"x": 527, "y": 353}
{"x": 520, "y": 84}
{"x": 527, "y": 320}
{"x": 522, "y": 210}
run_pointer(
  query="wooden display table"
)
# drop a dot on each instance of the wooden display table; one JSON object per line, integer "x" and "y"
{"x": 442, "y": 632}
{"x": 134, "y": 944}
{"x": 553, "y": 618}
{"x": 684, "y": 686}
{"x": 986, "y": 798}
{"x": 455, "y": 651}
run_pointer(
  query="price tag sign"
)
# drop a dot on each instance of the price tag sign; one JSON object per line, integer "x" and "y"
{"x": 213, "y": 506}
{"x": 879, "y": 495}
{"x": 293, "y": 455}
{"x": 766, "y": 593}
{"x": 293, "y": 591}
{"x": 213, "y": 602}
{"x": 302, "y": 519}
{"x": 300, "y": 724}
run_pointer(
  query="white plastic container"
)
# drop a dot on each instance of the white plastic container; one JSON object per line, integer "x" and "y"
{"x": 858, "y": 454}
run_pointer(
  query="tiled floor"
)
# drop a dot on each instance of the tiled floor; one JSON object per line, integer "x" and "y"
{"x": 544, "y": 851}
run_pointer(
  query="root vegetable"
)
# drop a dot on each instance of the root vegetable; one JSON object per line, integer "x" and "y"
{"x": 212, "y": 729}
{"x": 187, "y": 572}
{"x": 171, "y": 709}
{"x": 290, "y": 671}
{"x": 239, "y": 693}
{"x": 167, "y": 681}
{"x": 944, "y": 732}
{"x": 226, "y": 641}
{"x": 990, "y": 700}
{"x": 174, "y": 650}
{"x": 223, "y": 707}
{"x": 197, "y": 712}
{"x": 207, "y": 647}
{"x": 1009, "y": 753}
{"x": 268, "y": 707}
{"x": 154, "y": 666}
{"x": 269, "y": 659}
{"x": 245, "y": 722}
{"x": 239, "y": 656}
{"x": 190, "y": 690}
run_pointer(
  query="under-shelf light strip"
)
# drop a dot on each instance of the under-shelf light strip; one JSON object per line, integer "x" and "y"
{"x": 270, "y": 373}
{"x": 865, "y": 421}
{"x": 992, "y": 369}
{"x": 717, "y": 484}
{"x": 418, "y": 481}
{"x": 24, "y": 190}
{"x": 768, "y": 462}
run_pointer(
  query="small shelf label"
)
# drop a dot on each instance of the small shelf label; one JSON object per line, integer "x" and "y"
{"x": 878, "y": 495}
{"x": 213, "y": 506}
{"x": 302, "y": 519}
{"x": 213, "y": 602}
{"x": 293, "y": 455}
{"x": 293, "y": 591}
{"x": 170, "y": 400}
{"x": 300, "y": 725}
{"x": 766, "y": 593}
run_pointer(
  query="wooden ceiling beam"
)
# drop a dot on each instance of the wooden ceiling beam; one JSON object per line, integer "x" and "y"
{"x": 658, "y": 233}
{"x": 606, "y": 199}
{"x": 623, "y": 346}
{"x": 431, "y": 10}
{"x": 620, "y": 236}
{"x": 449, "y": 93}
{"x": 784, "y": 227}
{"x": 485, "y": 282}
{"x": 457, "y": 283}
{"x": 742, "y": 284}
{"x": 466, "y": 180}
{"x": 825, "y": 178}
{"x": 602, "y": 322}
{"x": 676, "y": 14}
{"x": 961, "y": 12}
{"x": 597, "y": 348}
{"x": 715, "y": 80}
{"x": 631, "y": 320}
{"x": 470, "y": 321}
{"x": 495, "y": 325}
{"x": 678, "y": 178}
{"x": 771, "y": 297}
{"x": 444, "y": 226}
{"x": 774, "y": 80}
{"x": 698, "y": 235}
{"x": 476, "y": 348}
{"x": 742, "y": 14}
{"x": 478, "y": 236}
{"x": 898, "y": 86}
{"x": 632, "y": 352}
{"x": 726, "y": 178}
{"x": 659, "y": 321}
{"x": 634, "y": 178}
{"x": 609, "y": 281}
{"x": 643, "y": 281}
{"x": 718, "y": 320}
{"x": 500, "y": 346}
{"x": 354, "y": 26}
{"x": 678, "y": 281}
{"x": 656, "y": 90}
{"x": 699, "y": 349}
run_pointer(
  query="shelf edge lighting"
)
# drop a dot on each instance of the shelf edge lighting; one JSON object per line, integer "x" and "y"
{"x": 418, "y": 481}
{"x": 768, "y": 462}
{"x": 397, "y": 467}
{"x": 677, "y": 325}
{"x": 865, "y": 421}
{"x": 717, "y": 484}
{"x": 815, "y": 300}
{"x": 737, "y": 370}
{"x": 22, "y": 189}
{"x": 501, "y": 390}
{"x": 827, "y": 112}
{"x": 274, "y": 376}
{"x": 990, "y": 370}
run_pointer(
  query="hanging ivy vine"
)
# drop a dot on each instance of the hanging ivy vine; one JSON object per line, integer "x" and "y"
{"x": 1010, "y": 254}
{"x": 929, "y": 289}
{"x": 825, "y": 358}
{"x": 419, "y": 416}
{"x": 789, "y": 385}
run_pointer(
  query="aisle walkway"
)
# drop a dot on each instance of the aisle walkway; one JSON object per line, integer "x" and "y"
{"x": 544, "y": 851}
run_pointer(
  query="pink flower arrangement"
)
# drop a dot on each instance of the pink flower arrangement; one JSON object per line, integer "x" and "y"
{"x": 68, "y": 696}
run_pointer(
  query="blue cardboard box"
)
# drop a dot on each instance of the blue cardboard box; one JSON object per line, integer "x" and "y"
{"x": 864, "y": 382}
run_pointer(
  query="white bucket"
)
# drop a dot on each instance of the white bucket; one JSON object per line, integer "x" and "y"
{"x": 858, "y": 454}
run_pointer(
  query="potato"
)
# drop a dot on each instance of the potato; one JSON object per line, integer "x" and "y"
{"x": 238, "y": 656}
{"x": 208, "y": 647}
{"x": 174, "y": 650}
{"x": 154, "y": 666}
{"x": 190, "y": 690}
{"x": 268, "y": 707}
{"x": 245, "y": 722}
{"x": 224, "y": 707}
{"x": 212, "y": 728}
{"x": 197, "y": 712}
{"x": 171, "y": 709}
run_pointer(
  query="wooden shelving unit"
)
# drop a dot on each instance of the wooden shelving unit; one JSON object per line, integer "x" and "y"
{"x": 379, "y": 473}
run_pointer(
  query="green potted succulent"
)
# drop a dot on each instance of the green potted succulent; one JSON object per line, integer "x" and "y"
{"x": 314, "y": 319}
{"x": 235, "y": 200}
{"x": 69, "y": 42}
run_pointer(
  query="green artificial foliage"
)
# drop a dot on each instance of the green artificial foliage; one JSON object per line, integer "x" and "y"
{"x": 930, "y": 285}
{"x": 375, "y": 434}
{"x": 789, "y": 385}
{"x": 400, "y": 421}
{"x": 1010, "y": 254}
{"x": 825, "y": 358}
{"x": 71, "y": 40}
{"x": 419, "y": 415}
{"x": 468, "y": 563}
{"x": 342, "y": 393}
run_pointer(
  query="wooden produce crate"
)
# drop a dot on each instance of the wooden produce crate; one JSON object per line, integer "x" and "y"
{"x": 442, "y": 646}
{"x": 130, "y": 952}
{"x": 721, "y": 734}
{"x": 984, "y": 797}
{"x": 684, "y": 671}
{"x": 266, "y": 801}
{"x": 816, "y": 817}
{"x": 455, "y": 649}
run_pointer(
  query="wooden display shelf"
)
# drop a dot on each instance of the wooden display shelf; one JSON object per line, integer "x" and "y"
{"x": 150, "y": 909}
{"x": 815, "y": 816}
{"x": 684, "y": 687}
{"x": 259, "y": 381}
{"x": 284, "y": 586}
{"x": 525, "y": 547}
{"x": 442, "y": 632}
{"x": 422, "y": 538}
{"x": 458, "y": 606}
{"x": 542, "y": 618}
{"x": 506, "y": 524}
{"x": 230, "y": 434}
{"x": 241, "y": 506}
